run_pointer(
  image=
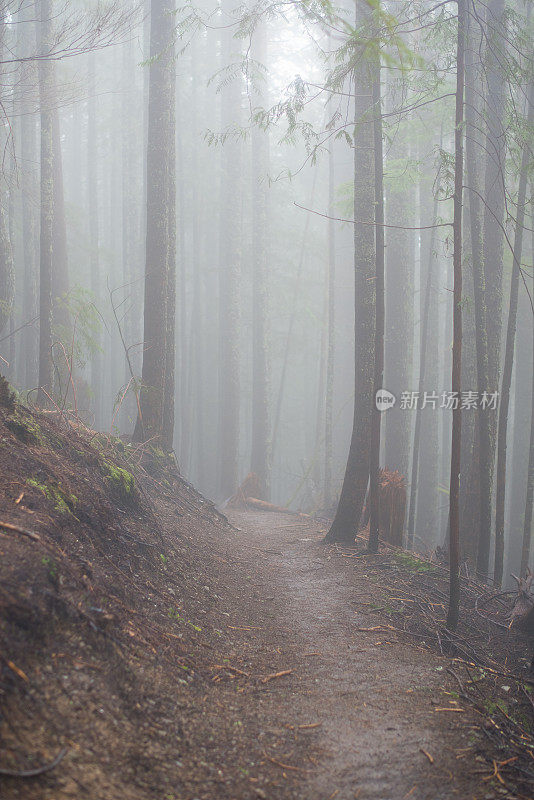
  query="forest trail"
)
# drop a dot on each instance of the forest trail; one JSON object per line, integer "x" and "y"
{"x": 361, "y": 705}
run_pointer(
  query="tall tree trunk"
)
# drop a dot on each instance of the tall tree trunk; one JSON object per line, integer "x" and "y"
{"x": 529, "y": 501}
{"x": 522, "y": 401}
{"x": 430, "y": 289}
{"x": 28, "y": 191}
{"x": 292, "y": 319}
{"x": 509, "y": 351}
{"x": 7, "y": 271}
{"x": 46, "y": 82}
{"x": 400, "y": 260}
{"x": 60, "y": 272}
{"x": 159, "y": 237}
{"x": 454, "y": 497}
{"x": 349, "y": 511}
{"x": 492, "y": 265}
{"x": 170, "y": 299}
{"x": 484, "y": 451}
{"x": 260, "y": 461}
{"x": 229, "y": 276}
{"x": 376, "y": 414}
{"x": 93, "y": 217}
{"x": 331, "y": 344}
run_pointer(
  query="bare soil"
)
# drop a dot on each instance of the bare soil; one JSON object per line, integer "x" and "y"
{"x": 176, "y": 656}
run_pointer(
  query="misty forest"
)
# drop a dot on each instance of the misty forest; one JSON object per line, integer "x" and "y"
{"x": 266, "y": 399}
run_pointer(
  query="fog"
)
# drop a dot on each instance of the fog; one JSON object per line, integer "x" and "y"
{"x": 188, "y": 211}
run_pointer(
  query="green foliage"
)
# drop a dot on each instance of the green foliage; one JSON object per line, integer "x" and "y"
{"x": 82, "y": 336}
{"x": 64, "y": 502}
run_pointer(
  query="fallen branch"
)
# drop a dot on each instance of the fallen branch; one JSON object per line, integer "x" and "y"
{"x": 16, "y": 529}
{"x": 262, "y": 505}
{"x": 33, "y": 773}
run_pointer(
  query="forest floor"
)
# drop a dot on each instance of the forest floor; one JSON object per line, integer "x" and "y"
{"x": 169, "y": 655}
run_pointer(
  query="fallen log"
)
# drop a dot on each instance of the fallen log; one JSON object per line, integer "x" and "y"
{"x": 262, "y": 505}
{"x": 247, "y": 497}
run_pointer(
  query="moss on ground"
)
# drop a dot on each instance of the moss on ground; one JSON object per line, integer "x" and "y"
{"x": 120, "y": 481}
{"x": 64, "y": 502}
{"x": 25, "y": 428}
{"x": 412, "y": 563}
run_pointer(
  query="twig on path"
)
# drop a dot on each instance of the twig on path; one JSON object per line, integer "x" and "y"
{"x": 379, "y": 628}
{"x": 235, "y": 670}
{"x": 244, "y": 627}
{"x": 276, "y": 675}
{"x": 458, "y": 710}
{"x": 282, "y": 765}
{"x": 495, "y": 774}
{"x": 13, "y": 667}
{"x": 427, "y": 754}
{"x": 33, "y": 773}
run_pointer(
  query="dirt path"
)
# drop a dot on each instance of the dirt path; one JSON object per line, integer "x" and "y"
{"x": 365, "y": 702}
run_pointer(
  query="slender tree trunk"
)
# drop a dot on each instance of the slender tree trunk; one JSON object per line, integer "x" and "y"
{"x": 331, "y": 345}
{"x": 229, "y": 274}
{"x": 400, "y": 260}
{"x": 7, "y": 270}
{"x": 518, "y": 477}
{"x": 159, "y": 237}
{"x": 28, "y": 188}
{"x": 492, "y": 266}
{"x": 261, "y": 446}
{"x": 376, "y": 415}
{"x": 429, "y": 288}
{"x": 529, "y": 501}
{"x": 509, "y": 352}
{"x": 349, "y": 511}
{"x": 46, "y": 79}
{"x": 484, "y": 452}
{"x": 60, "y": 272}
{"x": 26, "y": 44}
{"x": 93, "y": 217}
{"x": 170, "y": 300}
{"x": 454, "y": 498}
{"x": 292, "y": 318}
